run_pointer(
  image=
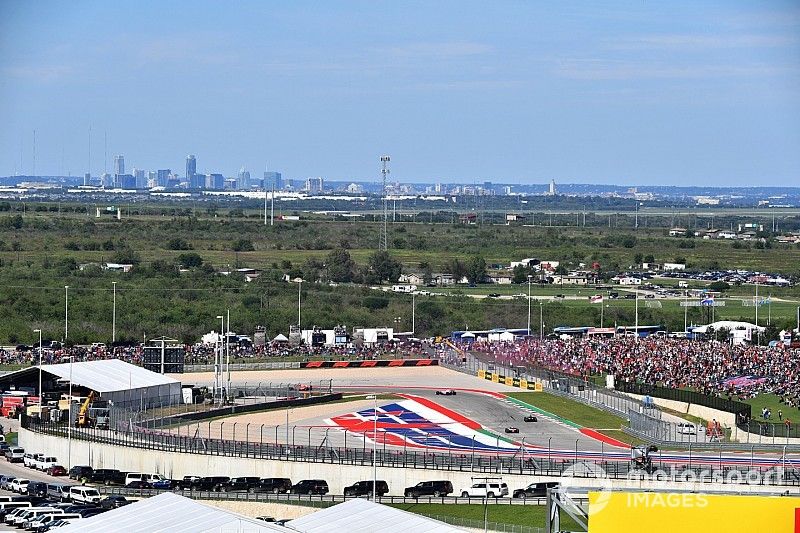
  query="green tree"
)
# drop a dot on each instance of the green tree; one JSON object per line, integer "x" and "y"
{"x": 384, "y": 267}
{"x": 243, "y": 245}
{"x": 476, "y": 269}
{"x": 719, "y": 286}
{"x": 339, "y": 266}
{"x": 190, "y": 260}
{"x": 456, "y": 268}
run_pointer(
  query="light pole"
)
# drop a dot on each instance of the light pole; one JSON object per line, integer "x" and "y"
{"x": 529, "y": 304}
{"x": 114, "y": 314}
{"x": 228, "y": 356}
{"x": 299, "y": 286}
{"x": 39, "y": 331}
{"x": 637, "y": 314}
{"x": 218, "y": 358}
{"x": 541, "y": 321}
{"x": 374, "y": 398}
{"x": 66, "y": 312}
{"x": 413, "y": 314}
{"x": 69, "y": 417}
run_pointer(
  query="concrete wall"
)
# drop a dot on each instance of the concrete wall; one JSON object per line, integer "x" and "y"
{"x": 177, "y": 465}
{"x": 706, "y": 413}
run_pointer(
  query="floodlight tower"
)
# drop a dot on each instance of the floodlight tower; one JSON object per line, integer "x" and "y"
{"x": 384, "y": 241}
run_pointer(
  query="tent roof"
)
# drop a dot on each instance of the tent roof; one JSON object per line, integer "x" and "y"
{"x": 363, "y": 516}
{"x": 169, "y": 512}
{"x": 108, "y": 375}
{"x": 731, "y": 325}
{"x": 280, "y": 337}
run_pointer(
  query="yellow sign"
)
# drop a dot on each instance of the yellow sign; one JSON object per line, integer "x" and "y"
{"x": 482, "y": 374}
{"x": 537, "y": 387}
{"x": 496, "y": 378}
{"x": 662, "y": 512}
{"x": 523, "y": 383}
{"x": 510, "y": 381}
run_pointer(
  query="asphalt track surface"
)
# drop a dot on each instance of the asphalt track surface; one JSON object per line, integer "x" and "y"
{"x": 487, "y": 411}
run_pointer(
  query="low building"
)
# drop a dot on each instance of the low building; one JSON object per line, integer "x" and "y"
{"x": 671, "y": 267}
{"x": 677, "y": 232}
{"x": 118, "y": 267}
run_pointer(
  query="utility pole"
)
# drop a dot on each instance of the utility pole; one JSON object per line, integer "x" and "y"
{"x": 383, "y": 245}
{"x": 114, "y": 314}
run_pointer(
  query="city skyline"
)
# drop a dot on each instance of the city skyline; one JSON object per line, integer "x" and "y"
{"x": 511, "y": 93}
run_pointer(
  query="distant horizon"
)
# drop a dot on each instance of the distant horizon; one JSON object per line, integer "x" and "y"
{"x": 618, "y": 92}
{"x": 443, "y": 182}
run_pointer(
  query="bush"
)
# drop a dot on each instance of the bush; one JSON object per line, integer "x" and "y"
{"x": 243, "y": 245}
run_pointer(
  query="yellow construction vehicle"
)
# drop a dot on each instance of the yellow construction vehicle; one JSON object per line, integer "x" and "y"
{"x": 84, "y": 420}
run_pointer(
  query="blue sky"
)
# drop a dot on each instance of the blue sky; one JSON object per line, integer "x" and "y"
{"x": 677, "y": 93}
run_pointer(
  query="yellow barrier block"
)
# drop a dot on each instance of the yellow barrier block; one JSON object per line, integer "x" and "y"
{"x": 496, "y": 378}
{"x": 537, "y": 387}
{"x": 662, "y": 512}
{"x": 523, "y": 383}
{"x": 482, "y": 374}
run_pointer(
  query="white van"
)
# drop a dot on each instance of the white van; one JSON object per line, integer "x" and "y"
{"x": 45, "y": 462}
{"x": 18, "y": 517}
{"x": 138, "y": 476}
{"x": 13, "y": 513}
{"x": 32, "y": 516}
{"x": 48, "y": 519}
{"x": 84, "y": 495}
{"x": 7, "y": 507}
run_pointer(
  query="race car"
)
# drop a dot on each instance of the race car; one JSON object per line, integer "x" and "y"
{"x": 512, "y": 429}
{"x": 445, "y": 392}
{"x": 531, "y": 418}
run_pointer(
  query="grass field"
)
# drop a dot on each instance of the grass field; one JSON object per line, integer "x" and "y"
{"x": 527, "y": 515}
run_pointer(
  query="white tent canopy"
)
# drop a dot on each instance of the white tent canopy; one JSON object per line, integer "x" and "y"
{"x": 170, "y": 512}
{"x": 280, "y": 337}
{"x": 363, "y": 516}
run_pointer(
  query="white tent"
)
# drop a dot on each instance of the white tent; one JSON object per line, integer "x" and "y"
{"x": 173, "y": 513}
{"x": 280, "y": 337}
{"x": 739, "y": 331}
{"x": 363, "y": 516}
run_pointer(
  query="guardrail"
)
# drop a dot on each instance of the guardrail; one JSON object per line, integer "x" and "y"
{"x": 315, "y": 500}
{"x": 557, "y": 463}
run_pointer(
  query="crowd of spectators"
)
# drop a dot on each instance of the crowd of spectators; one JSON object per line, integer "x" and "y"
{"x": 204, "y": 353}
{"x": 711, "y": 367}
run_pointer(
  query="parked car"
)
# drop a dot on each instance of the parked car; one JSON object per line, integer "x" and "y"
{"x": 37, "y": 489}
{"x": 187, "y": 482}
{"x": 5, "y": 482}
{"x": 60, "y": 521}
{"x": 535, "y": 490}
{"x": 213, "y": 483}
{"x": 139, "y": 485}
{"x": 15, "y": 455}
{"x": 29, "y": 458}
{"x": 445, "y": 392}
{"x": 241, "y": 484}
{"x": 138, "y": 476}
{"x": 58, "y": 491}
{"x": 310, "y": 486}
{"x": 492, "y": 489}
{"x": 531, "y": 418}
{"x": 512, "y": 429}
{"x": 44, "y": 462}
{"x": 44, "y": 522}
{"x": 80, "y": 472}
{"x": 56, "y": 470}
{"x": 85, "y": 495}
{"x": 107, "y": 476}
{"x": 274, "y": 485}
{"x": 686, "y": 428}
{"x": 31, "y": 520}
{"x": 18, "y": 516}
{"x": 20, "y": 485}
{"x": 91, "y": 511}
{"x": 429, "y": 488}
{"x": 165, "y": 484}
{"x": 7, "y": 508}
{"x": 113, "y": 502}
{"x": 364, "y": 488}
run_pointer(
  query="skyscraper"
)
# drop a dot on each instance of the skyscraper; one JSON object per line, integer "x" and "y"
{"x": 141, "y": 179}
{"x": 273, "y": 179}
{"x": 191, "y": 167}
{"x": 244, "y": 179}
{"x": 119, "y": 165}
{"x": 163, "y": 177}
{"x": 315, "y": 185}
